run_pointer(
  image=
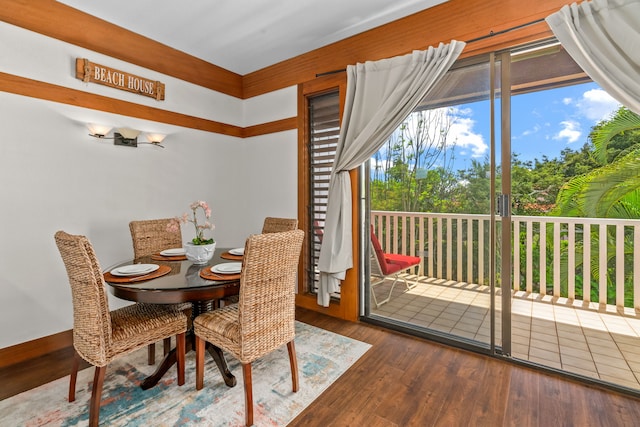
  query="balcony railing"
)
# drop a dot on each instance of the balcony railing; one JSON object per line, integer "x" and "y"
{"x": 588, "y": 259}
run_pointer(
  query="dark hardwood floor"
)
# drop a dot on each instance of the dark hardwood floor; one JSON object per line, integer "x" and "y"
{"x": 407, "y": 381}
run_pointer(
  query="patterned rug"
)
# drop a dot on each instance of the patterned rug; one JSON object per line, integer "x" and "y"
{"x": 322, "y": 357}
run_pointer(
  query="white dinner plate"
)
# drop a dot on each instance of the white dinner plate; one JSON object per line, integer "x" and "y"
{"x": 236, "y": 251}
{"x": 173, "y": 252}
{"x": 134, "y": 269}
{"x": 227, "y": 268}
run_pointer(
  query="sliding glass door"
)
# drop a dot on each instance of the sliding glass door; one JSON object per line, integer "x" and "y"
{"x": 433, "y": 191}
{"x": 499, "y": 182}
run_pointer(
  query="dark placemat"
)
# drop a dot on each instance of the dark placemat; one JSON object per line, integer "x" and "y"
{"x": 229, "y": 256}
{"x": 207, "y": 274}
{"x": 159, "y": 257}
{"x": 164, "y": 269}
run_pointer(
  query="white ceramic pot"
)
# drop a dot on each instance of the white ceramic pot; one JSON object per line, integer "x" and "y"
{"x": 199, "y": 254}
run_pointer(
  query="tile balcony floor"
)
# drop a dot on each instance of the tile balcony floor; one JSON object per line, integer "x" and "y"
{"x": 593, "y": 341}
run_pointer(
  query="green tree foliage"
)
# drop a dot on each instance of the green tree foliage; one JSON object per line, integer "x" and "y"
{"x": 412, "y": 171}
{"x": 612, "y": 188}
{"x": 473, "y": 193}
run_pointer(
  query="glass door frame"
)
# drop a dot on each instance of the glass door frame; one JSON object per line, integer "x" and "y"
{"x": 506, "y": 240}
{"x": 490, "y": 348}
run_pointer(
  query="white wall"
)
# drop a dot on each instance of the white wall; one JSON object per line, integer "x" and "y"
{"x": 53, "y": 176}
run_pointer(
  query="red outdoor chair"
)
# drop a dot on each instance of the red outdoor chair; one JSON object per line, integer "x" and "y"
{"x": 385, "y": 265}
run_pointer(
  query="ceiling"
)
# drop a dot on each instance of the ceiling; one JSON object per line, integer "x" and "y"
{"x": 247, "y": 35}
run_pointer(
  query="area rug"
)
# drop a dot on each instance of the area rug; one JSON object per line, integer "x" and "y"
{"x": 322, "y": 357}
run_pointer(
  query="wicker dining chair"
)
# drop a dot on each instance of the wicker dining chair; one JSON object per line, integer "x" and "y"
{"x": 100, "y": 335}
{"x": 271, "y": 225}
{"x": 278, "y": 225}
{"x": 264, "y": 317}
{"x": 150, "y": 237}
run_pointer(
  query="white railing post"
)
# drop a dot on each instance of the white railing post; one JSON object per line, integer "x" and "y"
{"x": 556, "y": 259}
{"x": 529, "y": 257}
{"x": 516, "y": 254}
{"x": 571, "y": 262}
{"x": 586, "y": 263}
{"x": 602, "y": 291}
{"x": 620, "y": 265}
{"x": 469, "y": 242}
{"x": 543, "y": 258}
{"x": 481, "y": 250}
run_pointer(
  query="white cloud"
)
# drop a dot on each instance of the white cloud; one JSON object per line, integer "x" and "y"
{"x": 462, "y": 111}
{"x": 462, "y": 133}
{"x": 567, "y": 101}
{"x": 528, "y": 132}
{"x": 597, "y": 105}
{"x": 570, "y": 131}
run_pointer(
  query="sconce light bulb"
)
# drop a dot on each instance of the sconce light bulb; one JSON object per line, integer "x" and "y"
{"x": 155, "y": 138}
{"x": 98, "y": 131}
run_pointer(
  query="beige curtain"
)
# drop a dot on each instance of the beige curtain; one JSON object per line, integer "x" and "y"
{"x": 380, "y": 95}
{"x": 603, "y": 37}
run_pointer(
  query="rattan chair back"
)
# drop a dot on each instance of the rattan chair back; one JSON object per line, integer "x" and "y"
{"x": 266, "y": 305}
{"x": 278, "y": 225}
{"x": 151, "y": 236}
{"x": 91, "y": 316}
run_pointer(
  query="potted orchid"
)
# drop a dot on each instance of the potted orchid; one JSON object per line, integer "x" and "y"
{"x": 200, "y": 249}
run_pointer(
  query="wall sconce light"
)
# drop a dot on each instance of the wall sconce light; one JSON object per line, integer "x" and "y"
{"x": 126, "y": 136}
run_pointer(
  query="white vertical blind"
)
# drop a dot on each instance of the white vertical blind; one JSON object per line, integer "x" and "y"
{"x": 324, "y": 130}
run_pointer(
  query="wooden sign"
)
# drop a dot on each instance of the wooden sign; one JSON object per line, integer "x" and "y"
{"x": 90, "y": 72}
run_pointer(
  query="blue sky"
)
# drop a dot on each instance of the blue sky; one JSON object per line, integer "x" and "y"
{"x": 542, "y": 123}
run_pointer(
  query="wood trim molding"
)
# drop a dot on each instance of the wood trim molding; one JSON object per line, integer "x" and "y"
{"x": 70, "y": 25}
{"x": 271, "y": 127}
{"x": 35, "y": 348}
{"x": 50, "y": 92}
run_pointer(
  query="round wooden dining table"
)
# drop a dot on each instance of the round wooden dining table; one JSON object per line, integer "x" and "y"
{"x": 182, "y": 283}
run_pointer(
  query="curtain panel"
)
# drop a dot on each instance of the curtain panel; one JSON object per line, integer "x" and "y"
{"x": 379, "y": 96}
{"x": 603, "y": 37}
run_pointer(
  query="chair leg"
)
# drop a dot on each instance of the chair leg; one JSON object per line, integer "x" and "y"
{"x": 388, "y": 298}
{"x": 406, "y": 282}
{"x": 200, "y": 345}
{"x": 96, "y": 395}
{"x": 151, "y": 354}
{"x": 74, "y": 375}
{"x": 167, "y": 345}
{"x": 294, "y": 365}
{"x": 180, "y": 356}
{"x": 248, "y": 393}
{"x": 407, "y": 285}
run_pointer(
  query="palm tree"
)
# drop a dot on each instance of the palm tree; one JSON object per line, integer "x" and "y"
{"x": 610, "y": 191}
